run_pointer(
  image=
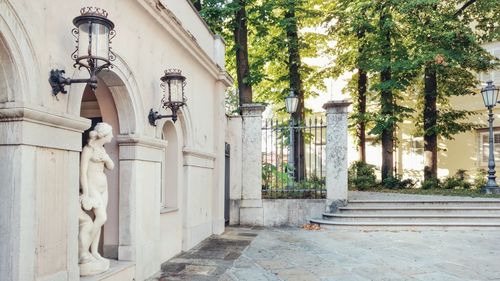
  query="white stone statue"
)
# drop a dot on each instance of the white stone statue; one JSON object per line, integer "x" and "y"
{"x": 93, "y": 199}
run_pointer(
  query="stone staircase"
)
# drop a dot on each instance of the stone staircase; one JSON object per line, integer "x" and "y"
{"x": 403, "y": 213}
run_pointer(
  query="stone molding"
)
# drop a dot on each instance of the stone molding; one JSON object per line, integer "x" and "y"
{"x": 141, "y": 141}
{"x": 200, "y": 159}
{"x": 134, "y": 147}
{"x": 252, "y": 109}
{"x": 33, "y": 127}
{"x": 41, "y": 116}
{"x": 337, "y": 106}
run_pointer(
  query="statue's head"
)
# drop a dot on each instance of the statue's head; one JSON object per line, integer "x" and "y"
{"x": 101, "y": 130}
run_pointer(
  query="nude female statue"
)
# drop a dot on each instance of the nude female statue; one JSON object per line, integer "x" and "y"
{"x": 93, "y": 198}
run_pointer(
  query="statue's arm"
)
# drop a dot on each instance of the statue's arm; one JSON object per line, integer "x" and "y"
{"x": 110, "y": 165}
{"x": 84, "y": 165}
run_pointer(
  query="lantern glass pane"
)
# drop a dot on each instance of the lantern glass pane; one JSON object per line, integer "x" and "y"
{"x": 291, "y": 103}
{"x": 495, "y": 94}
{"x": 93, "y": 42}
{"x": 83, "y": 43}
{"x": 176, "y": 90}
{"x": 100, "y": 43}
{"x": 489, "y": 97}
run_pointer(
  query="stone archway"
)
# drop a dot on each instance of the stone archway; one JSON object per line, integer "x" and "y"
{"x": 118, "y": 102}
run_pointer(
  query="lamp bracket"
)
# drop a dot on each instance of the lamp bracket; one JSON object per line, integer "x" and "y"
{"x": 154, "y": 115}
{"x": 58, "y": 81}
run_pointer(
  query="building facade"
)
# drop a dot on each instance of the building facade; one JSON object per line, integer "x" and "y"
{"x": 166, "y": 193}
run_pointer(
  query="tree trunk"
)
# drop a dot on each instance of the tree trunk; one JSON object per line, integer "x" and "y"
{"x": 430, "y": 120}
{"x": 362, "y": 83}
{"x": 241, "y": 46}
{"x": 361, "y": 126}
{"x": 294, "y": 64}
{"x": 197, "y": 5}
{"x": 386, "y": 101}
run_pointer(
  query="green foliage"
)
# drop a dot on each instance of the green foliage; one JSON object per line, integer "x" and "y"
{"x": 457, "y": 181}
{"x": 276, "y": 183}
{"x": 398, "y": 183}
{"x": 273, "y": 177}
{"x": 431, "y": 183}
{"x": 480, "y": 178}
{"x": 361, "y": 176}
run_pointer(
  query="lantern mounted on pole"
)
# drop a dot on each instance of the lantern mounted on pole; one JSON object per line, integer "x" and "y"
{"x": 291, "y": 103}
{"x": 490, "y": 99}
{"x": 93, "y": 33}
{"x": 172, "y": 84}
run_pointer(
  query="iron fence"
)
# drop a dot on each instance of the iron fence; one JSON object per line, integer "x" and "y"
{"x": 283, "y": 177}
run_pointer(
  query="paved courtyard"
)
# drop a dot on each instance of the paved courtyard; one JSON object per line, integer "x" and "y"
{"x": 297, "y": 254}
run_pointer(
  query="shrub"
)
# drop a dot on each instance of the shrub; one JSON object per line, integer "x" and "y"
{"x": 480, "y": 178}
{"x": 397, "y": 183}
{"x": 362, "y": 176}
{"x": 457, "y": 181}
{"x": 431, "y": 183}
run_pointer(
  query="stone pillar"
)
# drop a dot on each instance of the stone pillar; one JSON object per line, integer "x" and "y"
{"x": 251, "y": 211}
{"x": 336, "y": 154}
{"x": 140, "y": 164}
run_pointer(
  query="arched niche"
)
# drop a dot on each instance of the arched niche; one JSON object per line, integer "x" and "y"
{"x": 124, "y": 91}
{"x": 172, "y": 169}
{"x": 117, "y": 102}
{"x": 17, "y": 59}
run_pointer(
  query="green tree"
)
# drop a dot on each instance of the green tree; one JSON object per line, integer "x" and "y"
{"x": 447, "y": 52}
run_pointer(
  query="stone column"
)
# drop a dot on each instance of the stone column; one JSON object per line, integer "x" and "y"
{"x": 251, "y": 211}
{"x": 336, "y": 154}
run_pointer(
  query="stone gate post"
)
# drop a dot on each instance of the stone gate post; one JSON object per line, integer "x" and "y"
{"x": 336, "y": 154}
{"x": 251, "y": 211}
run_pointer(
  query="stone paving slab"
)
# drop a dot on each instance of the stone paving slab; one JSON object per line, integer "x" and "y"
{"x": 294, "y": 254}
{"x": 209, "y": 260}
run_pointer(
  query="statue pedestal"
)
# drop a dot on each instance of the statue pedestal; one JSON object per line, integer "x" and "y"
{"x": 94, "y": 267}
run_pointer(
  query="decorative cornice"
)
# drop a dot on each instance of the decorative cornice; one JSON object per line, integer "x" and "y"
{"x": 198, "y": 154}
{"x": 141, "y": 141}
{"x": 173, "y": 25}
{"x": 41, "y": 116}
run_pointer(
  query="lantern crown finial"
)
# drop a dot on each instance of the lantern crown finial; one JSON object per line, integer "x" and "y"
{"x": 173, "y": 73}
{"x": 93, "y": 11}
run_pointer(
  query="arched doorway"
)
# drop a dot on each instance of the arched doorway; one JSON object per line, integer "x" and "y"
{"x": 100, "y": 107}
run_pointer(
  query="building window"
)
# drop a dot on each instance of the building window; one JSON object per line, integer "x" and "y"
{"x": 484, "y": 149}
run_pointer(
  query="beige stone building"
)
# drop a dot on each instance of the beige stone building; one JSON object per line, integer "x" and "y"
{"x": 166, "y": 192}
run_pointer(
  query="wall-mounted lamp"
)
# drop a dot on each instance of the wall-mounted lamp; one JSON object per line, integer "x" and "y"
{"x": 93, "y": 34}
{"x": 172, "y": 83}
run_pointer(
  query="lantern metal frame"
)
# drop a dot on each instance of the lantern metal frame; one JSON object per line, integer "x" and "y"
{"x": 89, "y": 15}
{"x": 174, "y": 106}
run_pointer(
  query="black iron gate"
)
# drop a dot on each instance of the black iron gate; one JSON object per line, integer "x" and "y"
{"x": 227, "y": 179}
{"x": 279, "y": 170}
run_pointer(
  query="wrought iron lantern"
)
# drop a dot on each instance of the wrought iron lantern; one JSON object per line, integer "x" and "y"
{"x": 291, "y": 102}
{"x": 490, "y": 94}
{"x": 172, "y": 84}
{"x": 93, "y": 33}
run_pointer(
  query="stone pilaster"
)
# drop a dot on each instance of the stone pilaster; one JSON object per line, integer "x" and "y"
{"x": 336, "y": 153}
{"x": 251, "y": 211}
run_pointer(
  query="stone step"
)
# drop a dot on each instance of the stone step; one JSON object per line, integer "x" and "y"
{"x": 415, "y": 203}
{"x": 404, "y": 225}
{"x": 420, "y": 210}
{"x": 118, "y": 271}
{"x": 423, "y": 218}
